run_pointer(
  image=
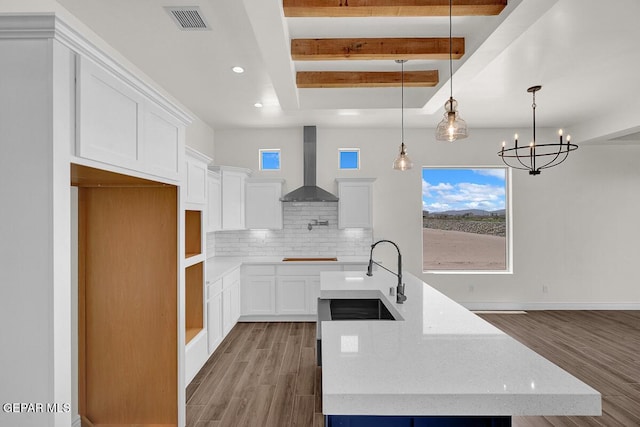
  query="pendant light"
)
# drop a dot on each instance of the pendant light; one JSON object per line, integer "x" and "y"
{"x": 534, "y": 157}
{"x": 402, "y": 162}
{"x": 451, "y": 127}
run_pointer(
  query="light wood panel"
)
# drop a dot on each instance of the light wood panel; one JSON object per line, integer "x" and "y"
{"x": 128, "y": 301}
{"x": 353, "y": 8}
{"x": 346, "y": 79}
{"x": 193, "y": 233}
{"x": 194, "y": 308}
{"x": 375, "y": 48}
{"x": 600, "y": 348}
{"x": 85, "y": 176}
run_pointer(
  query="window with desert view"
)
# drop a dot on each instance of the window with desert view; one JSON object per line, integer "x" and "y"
{"x": 464, "y": 219}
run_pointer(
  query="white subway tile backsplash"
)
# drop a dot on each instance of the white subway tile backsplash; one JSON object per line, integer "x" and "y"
{"x": 295, "y": 239}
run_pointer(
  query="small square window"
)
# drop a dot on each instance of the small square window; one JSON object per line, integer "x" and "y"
{"x": 349, "y": 158}
{"x": 269, "y": 159}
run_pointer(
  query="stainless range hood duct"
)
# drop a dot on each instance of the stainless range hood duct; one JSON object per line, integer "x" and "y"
{"x": 309, "y": 192}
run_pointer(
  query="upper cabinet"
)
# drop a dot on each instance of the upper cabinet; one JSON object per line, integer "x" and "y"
{"x": 117, "y": 124}
{"x": 196, "y": 177}
{"x": 264, "y": 208}
{"x": 233, "y": 196}
{"x": 214, "y": 208}
{"x": 355, "y": 202}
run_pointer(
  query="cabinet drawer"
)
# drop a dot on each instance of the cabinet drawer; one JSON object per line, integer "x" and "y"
{"x": 259, "y": 270}
{"x": 214, "y": 288}
{"x": 231, "y": 278}
{"x": 306, "y": 270}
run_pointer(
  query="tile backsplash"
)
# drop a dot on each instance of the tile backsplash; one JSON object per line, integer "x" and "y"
{"x": 295, "y": 239}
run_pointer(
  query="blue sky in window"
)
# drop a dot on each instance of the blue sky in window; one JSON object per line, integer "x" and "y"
{"x": 349, "y": 159}
{"x": 446, "y": 189}
{"x": 270, "y": 160}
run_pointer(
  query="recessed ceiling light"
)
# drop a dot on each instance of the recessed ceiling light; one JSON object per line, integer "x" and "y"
{"x": 258, "y": 105}
{"x": 238, "y": 70}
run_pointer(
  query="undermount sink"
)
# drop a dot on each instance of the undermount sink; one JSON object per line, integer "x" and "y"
{"x": 348, "y": 309}
{"x": 359, "y": 309}
{"x": 353, "y": 309}
{"x": 290, "y": 259}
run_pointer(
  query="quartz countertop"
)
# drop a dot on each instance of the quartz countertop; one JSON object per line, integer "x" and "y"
{"x": 219, "y": 266}
{"x": 437, "y": 358}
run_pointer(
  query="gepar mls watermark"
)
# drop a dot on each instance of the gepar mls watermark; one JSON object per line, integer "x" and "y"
{"x": 34, "y": 407}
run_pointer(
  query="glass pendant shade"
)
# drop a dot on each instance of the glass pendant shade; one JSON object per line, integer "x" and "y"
{"x": 451, "y": 127}
{"x": 402, "y": 162}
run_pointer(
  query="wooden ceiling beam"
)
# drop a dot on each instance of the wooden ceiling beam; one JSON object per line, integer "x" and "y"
{"x": 375, "y": 48}
{"x": 358, "y": 79}
{"x": 358, "y": 8}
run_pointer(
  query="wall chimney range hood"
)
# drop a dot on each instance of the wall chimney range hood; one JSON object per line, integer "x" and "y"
{"x": 309, "y": 192}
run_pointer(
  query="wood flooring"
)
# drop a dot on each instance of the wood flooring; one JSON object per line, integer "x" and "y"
{"x": 264, "y": 374}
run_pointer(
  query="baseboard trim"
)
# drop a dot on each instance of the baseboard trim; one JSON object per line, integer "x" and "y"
{"x": 77, "y": 421}
{"x": 533, "y": 306}
{"x": 279, "y": 318}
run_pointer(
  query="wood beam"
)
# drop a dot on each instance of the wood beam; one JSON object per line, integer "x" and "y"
{"x": 357, "y": 79}
{"x": 375, "y": 48}
{"x": 354, "y": 8}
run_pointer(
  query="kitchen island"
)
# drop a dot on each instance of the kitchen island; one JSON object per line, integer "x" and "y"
{"x": 436, "y": 364}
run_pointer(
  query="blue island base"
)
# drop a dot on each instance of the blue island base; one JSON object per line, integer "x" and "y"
{"x": 420, "y": 421}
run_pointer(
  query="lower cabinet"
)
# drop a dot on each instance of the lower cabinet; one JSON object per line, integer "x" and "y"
{"x": 284, "y": 292}
{"x": 214, "y": 315}
{"x": 223, "y": 308}
{"x": 230, "y": 300}
{"x": 258, "y": 295}
{"x": 292, "y": 295}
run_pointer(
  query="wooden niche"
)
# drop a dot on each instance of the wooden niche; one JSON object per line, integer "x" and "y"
{"x": 127, "y": 299}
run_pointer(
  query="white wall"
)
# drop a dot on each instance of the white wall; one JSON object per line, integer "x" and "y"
{"x": 574, "y": 226}
{"x": 199, "y": 136}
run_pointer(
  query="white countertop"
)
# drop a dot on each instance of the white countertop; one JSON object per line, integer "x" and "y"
{"x": 440, "y": 359}
{"x": 218, "y": 266}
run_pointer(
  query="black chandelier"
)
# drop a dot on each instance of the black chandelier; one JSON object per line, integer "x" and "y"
{"x": 534, "y": 157}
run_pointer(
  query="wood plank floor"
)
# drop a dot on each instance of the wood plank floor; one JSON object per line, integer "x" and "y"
{"x": 264, "y": 374}
{"x": 601, "y": 348}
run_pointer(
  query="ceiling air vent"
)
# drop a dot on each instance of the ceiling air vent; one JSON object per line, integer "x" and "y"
{"x": 188, "y": 18}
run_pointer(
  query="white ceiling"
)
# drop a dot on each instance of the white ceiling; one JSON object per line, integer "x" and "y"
{"x": 583, "y": 52}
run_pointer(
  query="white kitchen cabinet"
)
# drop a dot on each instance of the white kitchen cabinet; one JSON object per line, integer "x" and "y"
{"x": 263, "y": 205}
{"x": 291, "y": 294}
{"x": 355, "y": 208}
{"x": 233, "y": 196}
{"x": 313, "y": 293}
{"x": 161, "y": 147}
{"x": 258, "y": 295}
{"x": 118, "y": 125}
{"x": 214, "y": 315}
{"x": 230, "y": 300}
{"x": 236, "y": 299}
{"x": 284, "y": 291}
{"x": 196, "y": 177}
{"x": 214, "y": 202}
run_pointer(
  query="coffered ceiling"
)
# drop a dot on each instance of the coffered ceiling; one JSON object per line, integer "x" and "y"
{"x": 583, "y": 53}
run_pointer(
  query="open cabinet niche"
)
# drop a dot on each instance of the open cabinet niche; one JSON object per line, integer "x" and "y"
{"x": 127, "y": 299}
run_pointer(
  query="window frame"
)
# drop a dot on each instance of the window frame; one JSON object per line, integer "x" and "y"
{"x": 508, "y": 223}
{"x": 348, "y": 150}
{"x": 262, "y": 151}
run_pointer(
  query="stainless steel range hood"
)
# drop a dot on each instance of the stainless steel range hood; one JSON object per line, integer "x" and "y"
{"x": 309, "y": 192}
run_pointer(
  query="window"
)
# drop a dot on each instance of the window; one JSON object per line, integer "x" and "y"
{"x": 465, "y": 224}
{"x": 349, "y": 158}
{"x": 269, "y": 159}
